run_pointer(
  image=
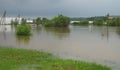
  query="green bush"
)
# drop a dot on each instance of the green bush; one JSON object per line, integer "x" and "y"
{"x": 58, "y": 21}
{"x": 23, "y": 29}
{"x": 49, "y": 23}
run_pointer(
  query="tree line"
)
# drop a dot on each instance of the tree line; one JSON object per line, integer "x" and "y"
{"x": 25, "y": 29}
{"x": 103, "y": 20}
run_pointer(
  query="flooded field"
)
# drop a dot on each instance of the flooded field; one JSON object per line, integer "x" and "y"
{"x": 89, "y": 43}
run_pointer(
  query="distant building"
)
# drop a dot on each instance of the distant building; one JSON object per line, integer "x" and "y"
{"x": 7, "y": 20}
{"x": 90, "y": 22}
{"x": 29, "y": 20}
{"x": 112, "y": 17}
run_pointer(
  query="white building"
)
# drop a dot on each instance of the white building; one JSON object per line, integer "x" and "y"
{"x": 90, "y": 22}
{"x": 29, "y": 21}
{"x": 7, "y": 20}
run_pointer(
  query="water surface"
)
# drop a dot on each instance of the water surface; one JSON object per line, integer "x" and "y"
{"x": 88, "y": 43}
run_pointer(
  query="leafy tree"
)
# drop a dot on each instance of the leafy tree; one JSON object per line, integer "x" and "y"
{"x": 44, "y": 20}
{"x": 61, "y": 21}
{"x": 37, "y": 21}
{"x": 58, "y": 21}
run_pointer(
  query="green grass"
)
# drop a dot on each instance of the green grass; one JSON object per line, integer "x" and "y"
{"x": 21, "y": 59}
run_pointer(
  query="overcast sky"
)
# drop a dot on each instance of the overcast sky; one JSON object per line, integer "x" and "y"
{"x": 50, "y": 8}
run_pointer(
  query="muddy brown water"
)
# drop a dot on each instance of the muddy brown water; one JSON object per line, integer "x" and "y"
{"x": 100, "y": 44}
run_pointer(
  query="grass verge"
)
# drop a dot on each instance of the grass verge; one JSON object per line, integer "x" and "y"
{"x": 21, "y": 59}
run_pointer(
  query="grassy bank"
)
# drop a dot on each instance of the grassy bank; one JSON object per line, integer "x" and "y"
{"x": 20, "y": 59}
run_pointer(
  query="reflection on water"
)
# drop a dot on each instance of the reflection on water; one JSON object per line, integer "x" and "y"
{"x": 105, "y": 32}
{"x": 58, "y": 32}
{"x": 4, "y": 30}
{"x": 89, "y": 43}
{"x": 23, "y": 39}
{"x": 36, "y": 29}
{"x": 118, "y": 30}
{"x": 90, "y": 28}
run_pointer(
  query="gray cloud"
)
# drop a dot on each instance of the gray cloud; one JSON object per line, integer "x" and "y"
{"x": 73, "y": 8}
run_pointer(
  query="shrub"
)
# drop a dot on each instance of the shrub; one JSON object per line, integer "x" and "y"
{"x": 23, "y": 29}
{"x": 58, "y": 21}
{"x": 49, "y": 23}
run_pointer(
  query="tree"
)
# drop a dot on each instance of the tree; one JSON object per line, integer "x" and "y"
{"x": 58, "y": 21}
{"x": 61, "y": 21}
{"x": 44, "y": 20}
{"x": 38, "y": 21}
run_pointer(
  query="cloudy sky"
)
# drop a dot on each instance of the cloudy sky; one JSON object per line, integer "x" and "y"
{"x": 50, "y": 8}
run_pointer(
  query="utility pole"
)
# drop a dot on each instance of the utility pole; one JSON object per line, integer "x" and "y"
{"x": 3, "y": 21}
{"x": 18, "y": 19}
{"x": 3, "y": 18}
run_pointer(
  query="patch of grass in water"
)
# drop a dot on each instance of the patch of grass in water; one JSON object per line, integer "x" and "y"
{"x": 21, "y": 59}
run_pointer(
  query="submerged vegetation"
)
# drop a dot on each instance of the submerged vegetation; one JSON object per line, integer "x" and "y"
{"x": 64, "y": 21}
{"x": 23, "y": 28}
{"x": 20, "y": 59}
{"x": 58, "y": 21}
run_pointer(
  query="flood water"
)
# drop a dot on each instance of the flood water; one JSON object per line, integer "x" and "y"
{"x": 89, "y": 43}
